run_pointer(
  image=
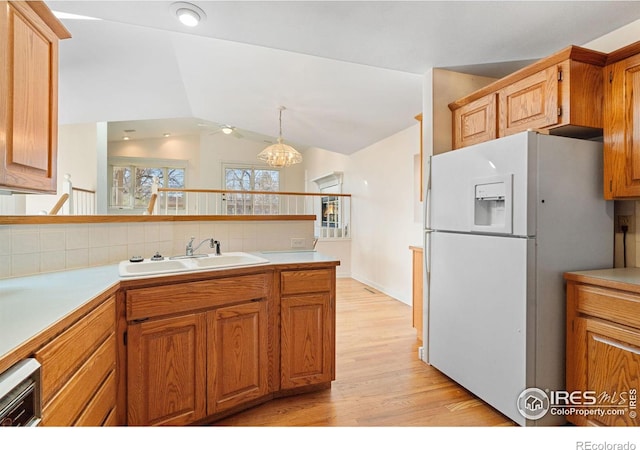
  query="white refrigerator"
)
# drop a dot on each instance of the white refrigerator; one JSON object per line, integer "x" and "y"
{"x": 506, "y": 219}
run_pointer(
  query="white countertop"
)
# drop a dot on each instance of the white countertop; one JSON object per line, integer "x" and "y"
{"x": 29, "y": 305}
{"x": 295, "y": 257}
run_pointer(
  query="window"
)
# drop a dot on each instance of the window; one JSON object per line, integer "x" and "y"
{"x": 132, "y": 179}
{"x": 242, "y": 178}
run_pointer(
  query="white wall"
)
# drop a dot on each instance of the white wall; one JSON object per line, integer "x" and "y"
{"x": 621, "y": 37}
{"x": 217, "y": 149}
{"x": 206, "y": 155}
{"x": 381, "y": 180}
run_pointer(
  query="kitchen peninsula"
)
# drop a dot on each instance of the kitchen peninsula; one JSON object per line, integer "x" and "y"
{"x": 225, "y": 339}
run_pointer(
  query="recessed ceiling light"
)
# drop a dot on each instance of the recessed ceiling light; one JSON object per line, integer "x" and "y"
{"x": 126, "y": 136}
{"x": 187, "y": 13}
{"x": 166, "y": 134}
{"x": 188, "y": 17}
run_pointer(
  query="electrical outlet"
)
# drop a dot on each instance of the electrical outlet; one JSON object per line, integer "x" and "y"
{"x": 297, "y": 242}
{"x": 624, "y": 221}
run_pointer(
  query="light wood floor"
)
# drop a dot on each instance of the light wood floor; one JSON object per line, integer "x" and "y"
{"x": 379, "y": 379}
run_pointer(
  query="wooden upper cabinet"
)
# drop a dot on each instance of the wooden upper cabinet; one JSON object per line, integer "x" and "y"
{"x": 622, "y": 126}
{"x": 532, "y": 102}
{"x": 29, "y": 35}
{"x": 561, "y": 93}
{"x": 475, "y": 122}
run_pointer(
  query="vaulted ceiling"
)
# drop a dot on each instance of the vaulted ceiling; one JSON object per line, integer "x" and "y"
{"x": 350, "y": 73}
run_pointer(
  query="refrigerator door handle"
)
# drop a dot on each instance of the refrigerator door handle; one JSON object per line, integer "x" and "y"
{"x": 426, "y": 277}
{"x": 427, "y": 193}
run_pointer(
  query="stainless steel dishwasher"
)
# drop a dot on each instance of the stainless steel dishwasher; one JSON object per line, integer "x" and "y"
{"x": 20, "y": 404}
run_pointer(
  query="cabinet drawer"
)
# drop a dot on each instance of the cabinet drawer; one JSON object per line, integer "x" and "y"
{"x": 62, "y": 357}
{"x": 178, "y": 298}
{"x": 616, "y": 306}
{"x": 301, "y": 281}
{"x": 101, "y": 406}
{"x": 74, "y": 398}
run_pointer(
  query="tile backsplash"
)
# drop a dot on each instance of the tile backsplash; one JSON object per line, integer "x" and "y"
{"x": 32, "y": 249}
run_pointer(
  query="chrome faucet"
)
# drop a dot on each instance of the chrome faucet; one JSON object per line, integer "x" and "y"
{"x": 212, "y": 243}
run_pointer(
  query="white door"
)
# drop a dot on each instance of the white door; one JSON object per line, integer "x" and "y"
{"x": 456, "y": 174}
{"x": 477, "y": 314}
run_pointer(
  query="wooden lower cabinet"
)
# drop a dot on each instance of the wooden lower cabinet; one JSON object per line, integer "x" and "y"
{"x": 194, "y": 364}
{"x": 79, "y": 377}
{"x": 603, "y": 353}
{"x": 306, "y": 353}
{"x": 166, "y": 363}
{"x": 307, "y": 329}
{"x": 202, "y": 349}
{"x": 185, "y": 368}
{"x": 237, "y": 355}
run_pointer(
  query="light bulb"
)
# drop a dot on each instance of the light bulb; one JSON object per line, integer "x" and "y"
{"x": 188, "y": 17}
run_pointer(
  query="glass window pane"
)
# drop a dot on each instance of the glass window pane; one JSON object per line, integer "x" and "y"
{"x": 267, "y": 180}
{"x": 144, "y": 181}
{"x": 238, "y": 179}
{"x": 251, "y": 179}
{"x": 176, "y": 180}
{"x": 121, "y": 187}
{"x": 131, "y": 186}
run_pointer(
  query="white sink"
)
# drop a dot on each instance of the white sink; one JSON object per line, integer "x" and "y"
{"x": 232, "y": 259}
{"x": 209, "y": 262}
{"x": 148, "y": 267}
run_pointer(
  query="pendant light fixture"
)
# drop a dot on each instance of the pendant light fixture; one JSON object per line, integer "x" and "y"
{"x": 280, "y": 154}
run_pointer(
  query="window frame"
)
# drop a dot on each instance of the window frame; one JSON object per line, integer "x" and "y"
{"x": 253, "y": 168}
{"x": 134, "y": 163}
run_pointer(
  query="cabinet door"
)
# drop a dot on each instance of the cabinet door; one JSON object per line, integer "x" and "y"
{"x": 28, "y": 100}
{"x": 622, "y": 129}
{"x": 166, "y": 371}
{"x": 529, "y": 103}
{"x": 307, "y": 348}
{"x": 237, "y": 363}
{"x": 476, "y": 122}
{"x": 610, "y": 355}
